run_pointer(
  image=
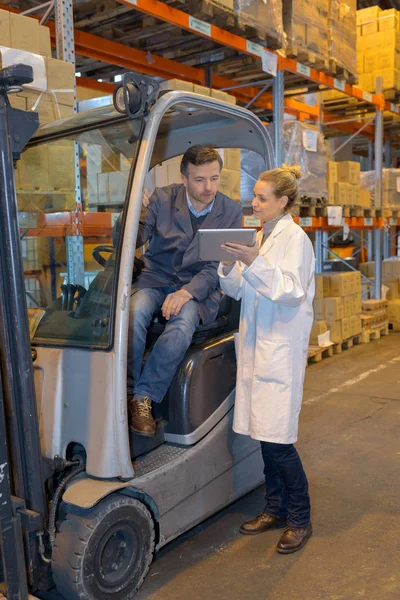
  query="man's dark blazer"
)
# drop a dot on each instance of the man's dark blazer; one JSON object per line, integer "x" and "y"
{"x": 171, "y": 257}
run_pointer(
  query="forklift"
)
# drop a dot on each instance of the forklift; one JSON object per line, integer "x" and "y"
{"x": 84, "y": 503}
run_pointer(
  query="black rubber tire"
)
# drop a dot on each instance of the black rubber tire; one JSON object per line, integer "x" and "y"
{"x": 81, "y": 570}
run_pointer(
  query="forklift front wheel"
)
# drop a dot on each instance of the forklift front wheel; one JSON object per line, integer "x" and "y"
{"x": 106, "y": 553}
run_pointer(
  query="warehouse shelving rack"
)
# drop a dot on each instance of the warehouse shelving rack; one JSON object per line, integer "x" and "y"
{"x": 284, "y": 75}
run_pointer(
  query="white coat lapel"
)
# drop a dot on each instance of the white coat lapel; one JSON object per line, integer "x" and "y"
{"x": 279, "y": 227}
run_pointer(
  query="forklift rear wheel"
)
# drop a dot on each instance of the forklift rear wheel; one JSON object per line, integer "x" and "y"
{"x": 106, "y": 553}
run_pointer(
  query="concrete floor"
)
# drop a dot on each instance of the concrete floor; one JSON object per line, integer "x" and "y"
{"x": 350, "y": 446}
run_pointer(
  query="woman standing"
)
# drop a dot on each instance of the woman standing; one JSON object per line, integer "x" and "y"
{"x": 275, "y": 282}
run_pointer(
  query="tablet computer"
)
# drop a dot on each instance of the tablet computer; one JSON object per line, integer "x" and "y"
{"x": 210, "y": 241}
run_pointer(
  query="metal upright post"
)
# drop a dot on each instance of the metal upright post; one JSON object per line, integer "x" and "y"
{"x": 278, "y": 111}
{"x": 388, "y": 163}
{"x": 370, "y": 247}
{"x": 318, "y": 251}
{"x": 66, "y": 51}
{"x": 370, "y": 155}
{"x": 378, "y": 190}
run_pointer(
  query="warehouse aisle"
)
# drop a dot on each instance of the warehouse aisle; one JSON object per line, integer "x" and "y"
{"x": 350, "y": 446}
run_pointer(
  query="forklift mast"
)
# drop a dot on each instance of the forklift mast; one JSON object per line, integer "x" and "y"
{"x": 23, "y": 510}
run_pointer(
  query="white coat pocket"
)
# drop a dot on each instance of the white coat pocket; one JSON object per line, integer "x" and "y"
{"x": 273, "y": 362}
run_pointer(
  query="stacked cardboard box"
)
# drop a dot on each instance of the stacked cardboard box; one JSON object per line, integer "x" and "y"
{"x": 107, "y": 174}
{"x": 305, "y": 25}
{"x": 378, "y": 48}
{"x": 343, "y": 180}
{"x": 390, "y": 187}
{"x": 340, "y": 305}
{"x": 394, "y": 314}
{"x": 342, "y": 35}
{"x": 187, "y": 86}
{"x": 25, "y": 34}
{"x": 263, "y": 16}
{"x": 390, "y": 278}
{"x": 375, "y": 314}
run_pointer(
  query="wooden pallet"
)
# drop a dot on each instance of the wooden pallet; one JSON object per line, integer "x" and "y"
{"x": 392, "y": 95}
{"x": 316, "y": 353}
{"x": 308, "y": 57}
{"x": 370, "y": 335}
{"x": 339, "y": 72}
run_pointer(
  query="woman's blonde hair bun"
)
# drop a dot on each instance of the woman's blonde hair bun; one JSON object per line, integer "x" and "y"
{"x": 293, "y": 170}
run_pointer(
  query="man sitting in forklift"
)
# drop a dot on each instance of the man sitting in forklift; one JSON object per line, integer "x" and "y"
{"x": 173, "y": 280}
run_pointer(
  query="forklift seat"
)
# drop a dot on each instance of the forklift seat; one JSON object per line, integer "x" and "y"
{"x": 203, "y": 332}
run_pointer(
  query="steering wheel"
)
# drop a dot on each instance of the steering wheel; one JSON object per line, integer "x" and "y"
{"x": 97, "y": 254}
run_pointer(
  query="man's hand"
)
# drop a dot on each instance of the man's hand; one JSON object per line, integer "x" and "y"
{"x": 174, "y": 302}
{"x": 246, "y": 254}
{"x": 145, "y": 198}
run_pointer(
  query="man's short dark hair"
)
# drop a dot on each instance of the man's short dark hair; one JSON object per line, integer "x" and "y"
{"x": 199, "y": 155}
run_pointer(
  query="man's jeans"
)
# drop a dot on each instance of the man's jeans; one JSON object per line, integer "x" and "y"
{"x": 286, "y": 484}
{"x": 169, "y": 349}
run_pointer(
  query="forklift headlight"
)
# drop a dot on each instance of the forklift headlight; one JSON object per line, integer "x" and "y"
{"x": 135, "y": 95}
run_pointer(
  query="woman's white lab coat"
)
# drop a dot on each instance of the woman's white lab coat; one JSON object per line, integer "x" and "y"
{"x": 277, "y": 292}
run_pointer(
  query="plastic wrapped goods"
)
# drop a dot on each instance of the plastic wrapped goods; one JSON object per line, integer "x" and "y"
{"x": 305, "y": 25}
{"x": 264, "y": 15}
{"x": 305, "y": 146}
{"x": 342, "y": 33}
{"x": 390, "y": 186}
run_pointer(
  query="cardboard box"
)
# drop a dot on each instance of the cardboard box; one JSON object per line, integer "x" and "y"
{"x": 350, "y": 195}
{"x": 365, "y": 198}
{"x": 355, "y": 325}
{"x": 17, "y": 102}
{"x": 117, "y": 185}
{"x": 49, "y": 111}
{"x": 319, "y": 313}
{"x": 371, "y": 62}
{"x": 61, "y": 76}
{"x": 318, "y": 328}
{"x": 5, "y": 36}
{"x": 345, "y": 328}
{"x": 336, "y": 332}
{"x": 396, "y": 268}
{"x": 339, "y": 284}
{"x": 388, "y": 59}
{"x": 394, "y": 311}
{"x": 366, "y": 15}
{"x": 24, "y": 33}
{"x": 103, "y": 188}
{"x": 201, "y": 89}
{"x": 369, "y": 28}
{"x": 327, "y": 285}
{"x": 341, "y": 194}
{"x": 388, "y": 19}
{"x": 33, "y": 168}
{"x": 349, "y": 172}
{"x": 177, "y": 84}
{"x": 332, "y": 171}
{"x": 387, "y": 269}
{"x": 360, "y": 63}
{"x": 348, "y": 308}
{"x": 390, "y": 79}
{"x": 61, "y": 163}
{"x": 174, "y": 173}
{"x": 44, "y": 41}
{"x": 331, "y": 192}
{"x": 230, "y": 184}
{"x": 393, "y": 288}
{"x": 231, "y": 158}
{"x": 219, "y": 95}
{"x": 333, "y": 309}
{"x": 319, "y": 286}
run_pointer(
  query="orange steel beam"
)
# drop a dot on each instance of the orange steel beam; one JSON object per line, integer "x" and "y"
{"x": 349, "y": 126}
{"x": 114, "y": 53}
{"x": 181, "y": 19}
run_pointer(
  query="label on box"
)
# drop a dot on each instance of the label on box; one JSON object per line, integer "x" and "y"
{"x": 256, "y": 49}
{"x": 310, "y": 140}
{"x": 269, "y": 62}
{"x": 394, "y": 107}
{"x": 397, "y": 184}
{"x": 251, "y": 222}
{"x": 200, "y": 26}
{"x": 324, "y": 339}
{"x": 346, "y": 231}
{"x": 339, "y": 85}
{"x": 303, "y": 70}
{"x": 335, "y": 216}
{"x": 305, "y": 221}
{"x": 368, "y": 221}
{"x": 367, "y": 96}
{"x": 393, "y": 222}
